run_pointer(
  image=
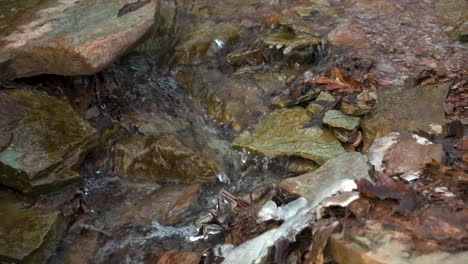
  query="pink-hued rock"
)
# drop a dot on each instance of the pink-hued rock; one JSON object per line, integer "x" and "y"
{"x": 69, "y": 37}
{"x": 409, "y": 156}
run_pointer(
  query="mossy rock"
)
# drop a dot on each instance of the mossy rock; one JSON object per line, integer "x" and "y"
{"x": 27, "y": 235}
{"x": 42, "y": 140}
{"x": 282, "y": 133}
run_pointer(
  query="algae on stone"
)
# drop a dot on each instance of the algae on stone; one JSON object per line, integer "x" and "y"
{"x": 27, "y": 235}
{"x": 282, "y": 133}
{"x": 41, "y": 140}
{"x": 405, "y": 109}
{"x": 162, "y": 158}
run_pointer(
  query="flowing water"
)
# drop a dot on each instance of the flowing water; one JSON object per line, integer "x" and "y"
{"x": 208, "y": 71}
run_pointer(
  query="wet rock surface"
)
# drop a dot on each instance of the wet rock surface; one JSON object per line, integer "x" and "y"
{"x": 167, "y": 205}
{"x": 43, "y": 139}
{"x": 27, "y": 235}
{"x": 282, "y": 133}
{"x": 165, "y": 184}
{"x": 71, "y": 37}
{"x": 162, "y": 158}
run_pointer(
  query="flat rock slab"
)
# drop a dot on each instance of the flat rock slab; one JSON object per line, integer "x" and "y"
{"x": 69, "y": 37}
{"x": 168, "y": 206}
{"x": 351, "y": 165}
{"x": 162, "y": 158}
{"x": 282, "y": 134}
{"x": 42, "y": 139}
{"x": 405, "y": 109}
{"x": 336, "y": 118}
{"x": 27, "y": 235}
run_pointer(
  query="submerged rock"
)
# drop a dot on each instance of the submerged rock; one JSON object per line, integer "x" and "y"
{"x": 200, "y": 40}
{"x": 167, "y": 205}
{"x": 235, "y": 99}
{"x": 27, "y": 235}
{"x": 349, "y": 35}
{"x": 72, "y": 37}
{"x": 162, "y": 158}
{"x": 351, "y": 165}
{"x": 81, "y": 249}
{"x": 336, "y": 118}
{"x": 453, "y": 13}
{"x": 41, "y": 140}
{"x": 405, "y": 109}
{"x": 282, "y": 133}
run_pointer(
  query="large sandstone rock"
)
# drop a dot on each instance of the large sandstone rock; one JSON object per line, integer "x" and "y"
{"x": 71, "y": 37}
{"x": 405, "y": 109}
{"x": 27, "y": 235}
{"x": 41, "y": 140}
{"x": 282, "y": 134}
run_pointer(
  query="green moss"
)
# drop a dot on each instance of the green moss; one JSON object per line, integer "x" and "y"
{"x": 27, "y": 235}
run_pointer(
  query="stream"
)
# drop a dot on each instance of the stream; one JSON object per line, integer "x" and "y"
{"x": 222, "y": 101}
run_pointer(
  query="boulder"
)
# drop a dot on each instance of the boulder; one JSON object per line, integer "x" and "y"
{"x": 42, "y": 139}
{"x": 69, "y": 37}
{"x": 282, "y": 134}
{"x": 162, "y": 158}
{"x": 405, "y": 109}
{"x": 27, "y": 235}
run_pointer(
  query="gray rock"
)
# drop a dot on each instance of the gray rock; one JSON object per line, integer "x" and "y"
{"x": 405, "y": 109}
{"x": 335, "y": 118}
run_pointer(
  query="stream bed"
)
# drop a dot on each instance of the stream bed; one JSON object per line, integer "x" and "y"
{"x": 172, "y": 149}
